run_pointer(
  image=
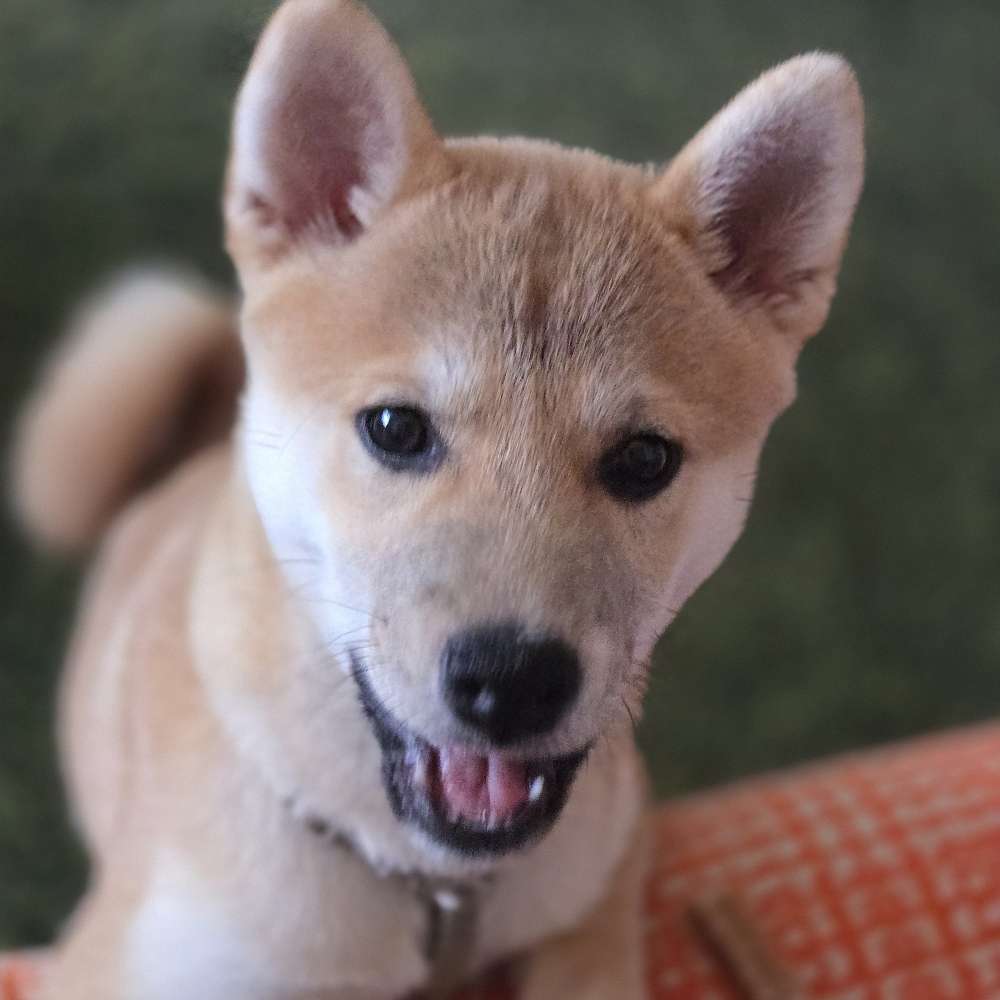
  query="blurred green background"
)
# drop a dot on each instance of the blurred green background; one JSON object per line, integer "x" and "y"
{"x": 861, "y": 605}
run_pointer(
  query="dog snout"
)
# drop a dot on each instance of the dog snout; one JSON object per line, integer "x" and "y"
{"x": 506, "y": 685}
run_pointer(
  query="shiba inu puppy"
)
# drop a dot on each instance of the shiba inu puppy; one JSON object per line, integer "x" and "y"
{"x": 349, "y": 711}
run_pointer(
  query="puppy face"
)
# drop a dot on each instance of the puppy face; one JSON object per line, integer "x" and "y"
{"x": 506, "y": 401}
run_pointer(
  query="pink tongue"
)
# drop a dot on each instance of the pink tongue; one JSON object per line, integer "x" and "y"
{"x": 481, "y": 788}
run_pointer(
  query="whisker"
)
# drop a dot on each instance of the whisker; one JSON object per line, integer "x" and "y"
{"x": 371, "y": 616}
{"x": 628, "y": 709}
{"x": 297, "y": 591}
{"x": 305, "y": 420}
{"x": 331, "y": 643}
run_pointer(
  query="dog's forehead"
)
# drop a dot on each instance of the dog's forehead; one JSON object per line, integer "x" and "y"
{"x": 552, "y": 274}
{"x": 537, "y": 294}
{"x": 564, "y": 289}
{"x": 524, "y": 292}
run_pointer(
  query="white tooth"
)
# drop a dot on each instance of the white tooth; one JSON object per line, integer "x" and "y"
{"x": 447, "y": 900}
{"x": 420, "y": 772}
{"x": 536, "y": 788}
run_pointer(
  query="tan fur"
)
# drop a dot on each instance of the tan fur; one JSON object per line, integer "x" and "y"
{"x": 149, "y": 371}
{"x": 537, "y": 302}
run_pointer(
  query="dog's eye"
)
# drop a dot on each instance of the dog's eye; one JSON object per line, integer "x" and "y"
{"x": 399, "y": 436}
{"x": 637, "y": 468}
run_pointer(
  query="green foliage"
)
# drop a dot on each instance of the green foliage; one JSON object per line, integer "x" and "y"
{"x": 862, "y": 604}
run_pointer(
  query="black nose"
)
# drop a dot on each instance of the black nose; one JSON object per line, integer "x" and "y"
{"x": 506, "y": 685}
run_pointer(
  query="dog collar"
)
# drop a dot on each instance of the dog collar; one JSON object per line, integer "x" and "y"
{"x": 451, "y": 907}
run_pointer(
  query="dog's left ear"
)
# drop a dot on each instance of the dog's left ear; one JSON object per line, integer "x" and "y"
{"x": 328, "y": 133}
{"x": 765, "y": 193}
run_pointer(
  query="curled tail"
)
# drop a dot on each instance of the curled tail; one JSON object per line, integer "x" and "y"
{"x": 150, "y": 370}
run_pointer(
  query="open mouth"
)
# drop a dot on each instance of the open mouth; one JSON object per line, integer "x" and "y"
{"x": 470, "y": 800}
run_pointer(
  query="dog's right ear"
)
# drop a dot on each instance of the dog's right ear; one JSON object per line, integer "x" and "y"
{"x": 328, "y": 132}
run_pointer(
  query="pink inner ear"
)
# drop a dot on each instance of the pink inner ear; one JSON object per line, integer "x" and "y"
{"x": 322, "y": 133}
{"x": 766, "y": 192}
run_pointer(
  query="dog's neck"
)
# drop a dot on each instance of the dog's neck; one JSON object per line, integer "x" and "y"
{"x": 451, "y": 905}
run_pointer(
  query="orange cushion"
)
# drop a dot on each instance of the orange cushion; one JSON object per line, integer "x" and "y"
{"x": 870, "y": 877}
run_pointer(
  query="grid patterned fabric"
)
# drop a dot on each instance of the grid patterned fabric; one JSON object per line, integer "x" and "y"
{"x": 871, "y": 877}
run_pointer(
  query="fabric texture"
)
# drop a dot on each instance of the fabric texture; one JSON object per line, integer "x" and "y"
{"x": 871, "y": 877}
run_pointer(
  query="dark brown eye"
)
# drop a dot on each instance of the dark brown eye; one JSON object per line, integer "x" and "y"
{"x": 639, "y": 467}
{"x": 400, "y": 437}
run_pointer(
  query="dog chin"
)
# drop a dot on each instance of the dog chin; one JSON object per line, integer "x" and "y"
{"x": 467, "y": 801}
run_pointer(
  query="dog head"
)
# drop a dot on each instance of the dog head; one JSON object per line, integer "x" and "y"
{"x": 506, "y": 400}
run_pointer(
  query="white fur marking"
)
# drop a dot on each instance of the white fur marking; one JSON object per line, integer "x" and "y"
{"x": 183, "y": 944}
